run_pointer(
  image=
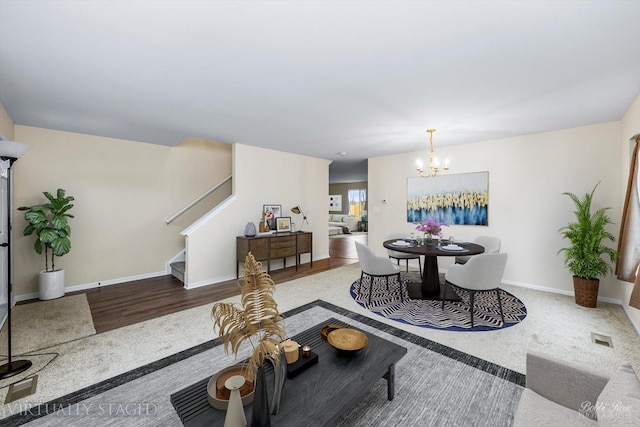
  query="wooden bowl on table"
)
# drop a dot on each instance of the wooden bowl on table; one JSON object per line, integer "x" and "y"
{"x": 347, "y": 339}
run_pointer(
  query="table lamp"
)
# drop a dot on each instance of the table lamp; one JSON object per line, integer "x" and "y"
{"x": 298, "y": 210}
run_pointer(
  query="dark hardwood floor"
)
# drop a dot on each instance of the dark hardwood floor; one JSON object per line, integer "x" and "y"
{"x": 132, "y": 302}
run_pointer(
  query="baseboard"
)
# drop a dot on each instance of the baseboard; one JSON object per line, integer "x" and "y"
{"x": 539, "y": 288}
{"x": 76, "y": 288}
{"x": 214, "y": 280}
{"x": 208, "y": 282}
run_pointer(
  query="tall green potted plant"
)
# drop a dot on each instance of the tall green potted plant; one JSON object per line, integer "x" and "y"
{"x": 587, "y": 257}
{"x": 49, "y": 223}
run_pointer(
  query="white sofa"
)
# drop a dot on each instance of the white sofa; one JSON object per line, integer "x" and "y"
{"x": 338, "y": 221}
{"x": 559, "y": 393}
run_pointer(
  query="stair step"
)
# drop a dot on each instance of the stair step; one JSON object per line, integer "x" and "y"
{"x": 177, "y": 270}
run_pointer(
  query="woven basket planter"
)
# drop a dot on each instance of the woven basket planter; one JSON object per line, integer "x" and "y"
{"x": 586, "y": 291}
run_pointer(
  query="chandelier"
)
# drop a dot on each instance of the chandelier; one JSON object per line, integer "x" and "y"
{"x": 434, "y": 163}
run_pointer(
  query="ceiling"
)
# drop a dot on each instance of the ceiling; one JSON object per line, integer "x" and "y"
{"x": 318, "y": 77}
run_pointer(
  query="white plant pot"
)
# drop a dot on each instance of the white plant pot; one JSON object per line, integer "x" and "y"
{"x": 51, "y": 284}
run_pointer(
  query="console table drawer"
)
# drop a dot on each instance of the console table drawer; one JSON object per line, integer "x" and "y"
{"x": 283, "y": 246}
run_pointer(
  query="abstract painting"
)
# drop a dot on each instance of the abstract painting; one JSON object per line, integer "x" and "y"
{"x": 455, "y": 199}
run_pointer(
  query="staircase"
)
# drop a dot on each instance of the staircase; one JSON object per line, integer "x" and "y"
{"x": 178, "y": 267}
{"x": 177, "y": 270}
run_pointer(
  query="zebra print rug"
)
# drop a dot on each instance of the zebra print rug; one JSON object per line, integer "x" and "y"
{"x": 429, "y": 314}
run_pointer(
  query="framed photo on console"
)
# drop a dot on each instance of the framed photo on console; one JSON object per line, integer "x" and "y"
{"x": 270, "y": 213}
{"x": 283, "y": 224}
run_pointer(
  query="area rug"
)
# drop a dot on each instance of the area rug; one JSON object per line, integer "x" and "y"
{"x": 43, "y": 324}
{"x": 435, "y": 385}
{"x": 429, "y": 314}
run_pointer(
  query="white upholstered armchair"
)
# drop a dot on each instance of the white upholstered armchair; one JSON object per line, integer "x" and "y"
{"x": 482, "y": 273}
{"x": 376, "y": 266}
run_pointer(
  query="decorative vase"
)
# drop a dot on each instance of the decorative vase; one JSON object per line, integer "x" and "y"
{"x": 250, "y": 230}
{"x": 260, "y": 416}
{"x": 280, "y": 375}
{"x": 235, "y": 411}
{"x": 51, "y": 285}
{"x": 428, "y": 239}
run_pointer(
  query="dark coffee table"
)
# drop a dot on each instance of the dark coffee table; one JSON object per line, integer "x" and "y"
{"x": 317, "y": 396}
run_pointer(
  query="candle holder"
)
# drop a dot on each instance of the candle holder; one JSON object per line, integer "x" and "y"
{"x": 306, "y": 351}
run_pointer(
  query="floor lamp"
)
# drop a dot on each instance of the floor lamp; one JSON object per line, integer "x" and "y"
{"x": 10, "y": 152}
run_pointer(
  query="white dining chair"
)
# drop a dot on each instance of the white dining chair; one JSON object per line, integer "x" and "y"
{"x": 490, "y": 244}
{"x": 376, "y": 266}
{"x": 400, "y": 255}
{"x": 482, "y": 273}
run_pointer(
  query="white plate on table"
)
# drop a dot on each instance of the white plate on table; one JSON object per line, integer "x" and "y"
{"x": 453, "y": 248}
{"x": 401, "y": 244}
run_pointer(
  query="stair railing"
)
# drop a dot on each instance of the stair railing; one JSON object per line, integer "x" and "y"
{"x": 197, "y": 200}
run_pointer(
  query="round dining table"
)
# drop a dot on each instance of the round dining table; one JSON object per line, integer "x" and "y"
{"x": 429, "y": 288}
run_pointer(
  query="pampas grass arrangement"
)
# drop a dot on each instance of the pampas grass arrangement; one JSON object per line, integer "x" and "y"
{"x": 258, "y": 321}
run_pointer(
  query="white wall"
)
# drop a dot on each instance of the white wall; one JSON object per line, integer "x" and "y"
{"x": 527, "y": 176}
{"x": 124, "y": 191}
{"x": 260, "y": 177}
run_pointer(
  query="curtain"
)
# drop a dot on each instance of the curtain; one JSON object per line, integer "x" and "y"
{"x": 629, "y": 243}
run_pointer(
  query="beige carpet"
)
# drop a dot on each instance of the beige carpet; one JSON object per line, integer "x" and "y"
{"x": 554, "y": 325}
{"x": 44, "y": 324}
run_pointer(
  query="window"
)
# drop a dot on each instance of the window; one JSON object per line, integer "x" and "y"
{"x": 357, "y": 201}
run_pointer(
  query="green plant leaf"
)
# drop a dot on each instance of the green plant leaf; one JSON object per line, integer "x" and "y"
{"x": 49, "y": 223}
{"x": 61, "y": 246}
{"x": 29, "y": 229}
{"x": 66, "y": 208}
{"x": 35, "y": 217}
{"x": 48, "y": 235}
{"x": 584, "y": 257}
{"x": 59, "y": 222}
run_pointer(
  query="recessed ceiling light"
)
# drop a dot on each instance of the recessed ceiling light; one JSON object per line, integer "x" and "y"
{"x": 342, "y": 153}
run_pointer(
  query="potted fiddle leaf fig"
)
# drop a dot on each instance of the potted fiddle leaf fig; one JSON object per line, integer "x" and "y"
{"x": 49, "y": 223}
{"x": 587, "y": 257}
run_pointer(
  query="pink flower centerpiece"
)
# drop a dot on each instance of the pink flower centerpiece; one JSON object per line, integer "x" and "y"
{"x": 430, "y": 228}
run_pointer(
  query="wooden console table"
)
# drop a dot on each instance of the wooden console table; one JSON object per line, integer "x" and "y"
{"x": 274, "y": 246}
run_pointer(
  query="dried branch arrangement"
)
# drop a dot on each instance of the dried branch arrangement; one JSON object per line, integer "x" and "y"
{"x": 258, "y": 321}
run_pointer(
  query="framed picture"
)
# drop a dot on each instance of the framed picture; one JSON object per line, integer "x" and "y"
{"x": 335, "y": 202}
{"x": 271, "y": 212}
{"x": 455, "y": 199}
{"x": 283, "y": 224}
